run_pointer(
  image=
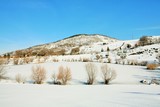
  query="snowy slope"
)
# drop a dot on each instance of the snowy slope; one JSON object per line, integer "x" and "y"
{"x": 67, "y": 44}
{"x": 89, "y": 46}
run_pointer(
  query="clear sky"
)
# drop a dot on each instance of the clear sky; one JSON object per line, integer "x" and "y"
{"x": 24, "y": 23}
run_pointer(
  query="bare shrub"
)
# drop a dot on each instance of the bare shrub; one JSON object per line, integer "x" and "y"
{"x": 91, "y": 70}
{"x": 2, "y": 61}
{"x": 117, "y": 61}
{"x": 158, "y": 57}
{"x": 20, "y": 79}
{"x": 2, "y": 72}
{"x": 64, "y": 75}
{"x": 98, "y": 57}
{"x": 55, "y": 80}
{"x": 143, "y": 63}
{"x": 86, "y": 60}
{"x": 151, "y": 66}
{"x": 26, "y": 60}
{"x": 75, "y": 51}
{"x": 38, "y": 74}
{"x": 54, "y": 77}
{"x": 108, "y": 74}
{"x": 55, "y": 60}
{"x": 15, "y": 61}
{"x": 144, "y": 40}
{"x": 129, "y": 46}
{"x": 109, "y": 60}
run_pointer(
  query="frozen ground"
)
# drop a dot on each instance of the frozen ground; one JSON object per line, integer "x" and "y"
{"x": 19, "y": 95}
{"x": 124, "y": 91}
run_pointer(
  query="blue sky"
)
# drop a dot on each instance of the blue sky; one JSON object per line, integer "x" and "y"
{"x": 24, "y": 23}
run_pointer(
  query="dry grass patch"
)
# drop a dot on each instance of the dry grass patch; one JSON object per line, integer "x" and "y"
{"x": 151, "y": 66}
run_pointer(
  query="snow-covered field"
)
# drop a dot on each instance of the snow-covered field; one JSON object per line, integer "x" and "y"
{"x": 15, "y": 95}
{"x": 124, "y": 91}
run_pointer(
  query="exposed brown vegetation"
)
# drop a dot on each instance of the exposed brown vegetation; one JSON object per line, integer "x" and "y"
{"x": 75, "y": 51}
{"x": 2, "y": 61}
{"x": 108, "y": 74}
{"x": 144, "y": 40}
{"x": 54, "y": 78}
{"x": 20, "y": 79}
{"x": 86, "y": 60}
{"x": 158, "y": 57}
{"x": 64, "y": 75}
{"x": 151, "y": 66}
{"x": 2, "y": 72}
{"x": 15, "y": 61}
{"x": 38, "y": 74}
{"x": 109, "y": 60}
{"x": 91, "y": 70}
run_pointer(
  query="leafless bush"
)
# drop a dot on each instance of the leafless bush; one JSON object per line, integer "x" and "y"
{"x": 55, "y": 60}
{"x": 75, "y": 51}
{"x": 109, "y": 60}
{"x": 2, "y": 72}
{"x": 2, "y": 61}
{"x": 15, "y": 61}
{"x": 117, "y": 61}
{"x": 38, "y": 74}
{"x": 151, "y": 66}
{"x": 20, "y": 79}
{"x": 55, "y": 80}
{"x": 108, "y": 74}
{"x": 20, "y": 61}
{"x": 158, "y": 57}
{"x": 98, "y": 57}
{"x": 86, "y": 60}
{"x": 91, "y": 70}
{"x": 143, "y": 63}
{"x": 27, "y": 60}
{"x": 64, "y": 75}
{"x": 143, "y": 40}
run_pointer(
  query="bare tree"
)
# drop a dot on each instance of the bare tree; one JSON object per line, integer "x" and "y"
{"x": 38, "y": 74}
{"x": 64, "y": 75}
{"x": 108, "y": 74}
{"x": 91, "y": 70}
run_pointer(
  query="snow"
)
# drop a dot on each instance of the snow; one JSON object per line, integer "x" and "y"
{"x": 126, "y": 74}
{"x": 124, "y": 91}
{"x": 15, "y": 95}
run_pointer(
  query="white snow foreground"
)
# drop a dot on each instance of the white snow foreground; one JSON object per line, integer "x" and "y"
{"x": 27, "y": 95}
{"x": 124, "y": 91}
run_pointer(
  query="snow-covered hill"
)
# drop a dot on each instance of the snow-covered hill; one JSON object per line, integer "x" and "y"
{"x": 97, "y": 48}
{"x": 66, "y": 46}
